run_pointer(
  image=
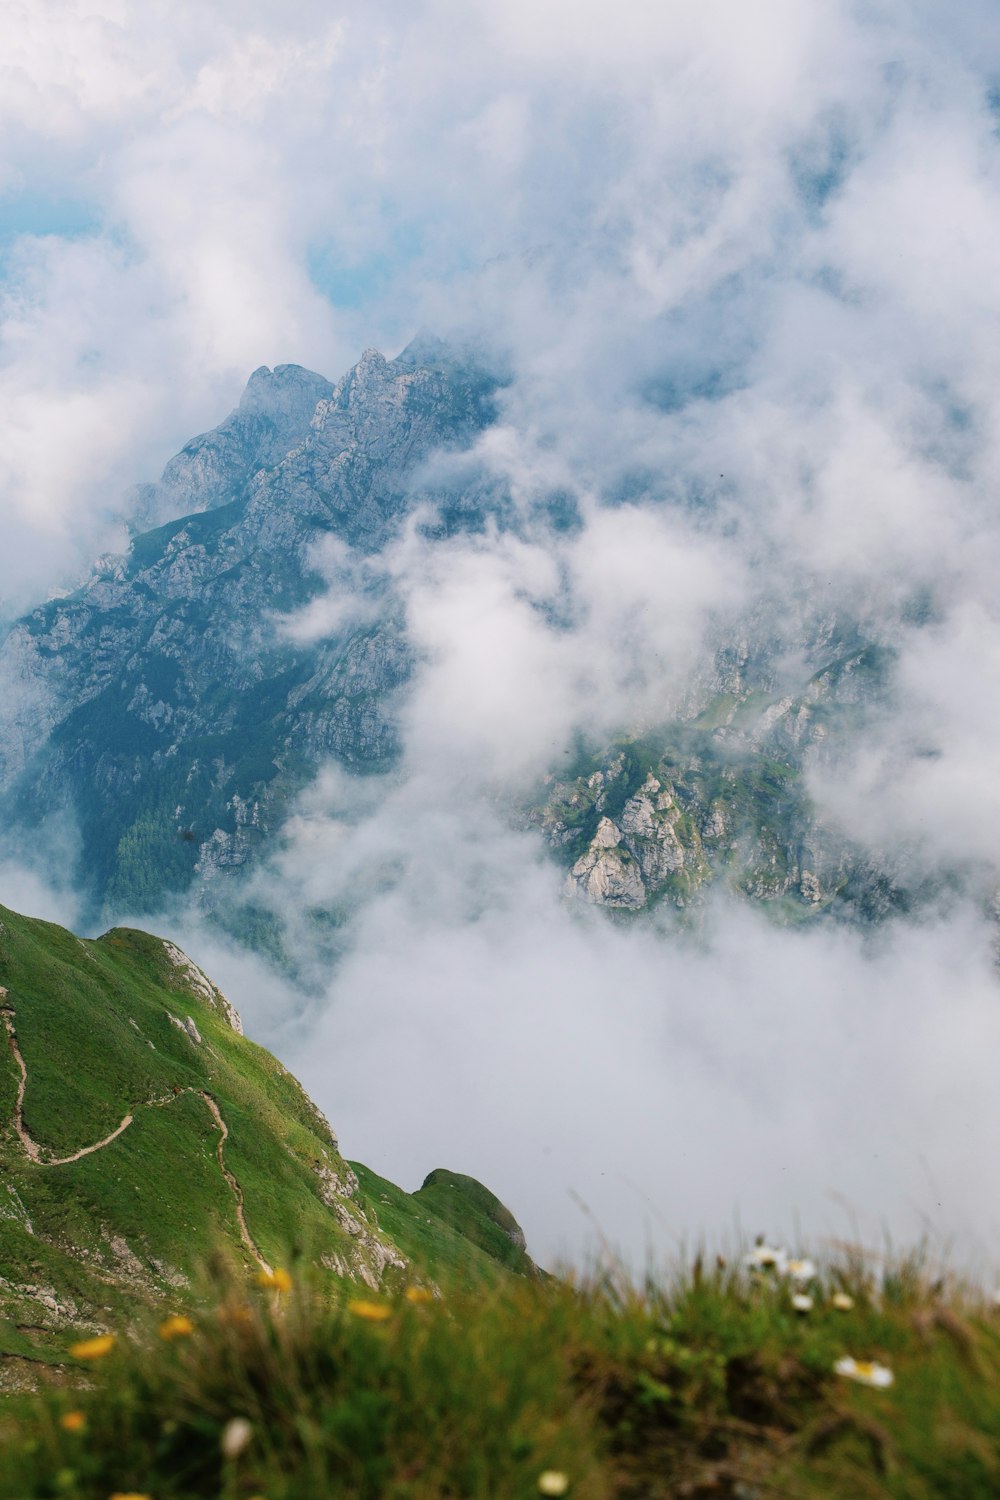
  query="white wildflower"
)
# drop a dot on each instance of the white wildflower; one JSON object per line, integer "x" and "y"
{"x": 865, "y": 1372}
{"x": 235, "y": 1436}
{"x": 766, "y": 1258}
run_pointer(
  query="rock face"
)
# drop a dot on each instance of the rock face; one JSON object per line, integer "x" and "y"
{"x": 171, "y": 709}
{"x": 721, "y": 795}
{"x": 272, "y": 418}
{"x": 162, "y": 704}
{"x": 628, "y": 860}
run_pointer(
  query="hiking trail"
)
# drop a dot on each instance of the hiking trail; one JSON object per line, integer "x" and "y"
{"x": 41, "y": 1158}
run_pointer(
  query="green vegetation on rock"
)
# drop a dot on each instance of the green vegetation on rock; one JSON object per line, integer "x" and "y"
{"x": 722, "y": 796}
{"x": 477, "y": 1215}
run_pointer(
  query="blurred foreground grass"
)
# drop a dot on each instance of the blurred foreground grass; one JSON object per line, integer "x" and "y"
{"x": 703, "y": 1384}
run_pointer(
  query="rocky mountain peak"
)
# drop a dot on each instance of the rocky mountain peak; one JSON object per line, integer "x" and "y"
{"x": 288, "y": 392}
{"x": 196, "y": 721}
{"x": 216, "y": 467}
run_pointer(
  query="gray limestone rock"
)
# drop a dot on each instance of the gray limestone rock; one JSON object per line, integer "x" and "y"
{"x": 163, "y": 706}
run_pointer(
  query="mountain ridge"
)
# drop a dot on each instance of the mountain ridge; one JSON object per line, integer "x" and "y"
{"x": 141, "y": 1135}
{"x": 272, "y": 416}
{"x": 167, "y": 714}
{"x": 139, "y": 693}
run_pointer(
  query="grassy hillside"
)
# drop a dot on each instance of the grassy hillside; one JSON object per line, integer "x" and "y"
{"x": 437, "y": 1225}
{"x": 142, "y": 1136}
{"x": 476, "y": 1214}
{"x": 712, "y": 1387}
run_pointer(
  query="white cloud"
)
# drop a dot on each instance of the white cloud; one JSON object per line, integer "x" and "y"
{"x": 818, "y": 1083}
{"x": 922, "y": 778}
{"x": 739, "y": 259}
{"x": 256, "y": 68}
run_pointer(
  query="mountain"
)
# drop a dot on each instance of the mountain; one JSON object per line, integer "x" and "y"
{"x": 273, "y": 417}
{"x": 141, "y": 1133}
{"x": 160, "y": 705}
{"x": 722, "y": 795}
{"x": 168, "y": 714}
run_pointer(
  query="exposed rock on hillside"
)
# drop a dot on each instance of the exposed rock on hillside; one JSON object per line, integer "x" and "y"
{"x": 161, "y": 705}
{"x": 723, "y": 795}
{"x": 169, "y": 713}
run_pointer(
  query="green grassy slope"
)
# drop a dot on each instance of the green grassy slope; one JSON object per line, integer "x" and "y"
{"x": 439, "y": 1224}
{"x": 125, "y": 1026}
{"x": 477, "y": 1215}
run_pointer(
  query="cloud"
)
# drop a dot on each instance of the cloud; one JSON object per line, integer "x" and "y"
{"x": 807, "y": 1084}
{"x": 920, "y": 779}
{"x": 528, "y": 643}
{"x": 738, "y": 263}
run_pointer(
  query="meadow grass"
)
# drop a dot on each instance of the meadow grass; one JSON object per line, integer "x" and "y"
{"x": 699, "y": 1383}
{"x": 111, "y": 1235}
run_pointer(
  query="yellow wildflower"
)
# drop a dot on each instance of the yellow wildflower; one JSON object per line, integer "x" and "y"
{"x": 373, "y": 1312}
{"x": 279, "y": 1279}
{"x": 842, "y": 1301}
{"x": 176, "y": 1327}
{"x": 553, "y": 1482}
{"x": 419, "y": 1294}
{"x": 72, "y": 1421}
{"x": 129, "y": 1495}
{"x": 93, "y": 1348}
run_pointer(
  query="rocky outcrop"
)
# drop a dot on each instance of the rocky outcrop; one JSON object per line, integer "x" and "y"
{"x": 195, "y": 979}
{"x": 635, "y": 858}
{"x": 164, "y": 705}
{"x": 722, "y": 794}
{"x": 272, "y": 418}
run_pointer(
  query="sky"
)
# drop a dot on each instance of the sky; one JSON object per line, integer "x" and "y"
{"x": 739, "y": 256}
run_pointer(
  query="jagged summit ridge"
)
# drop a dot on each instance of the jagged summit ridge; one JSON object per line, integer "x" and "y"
{"x": 214, "y": 468}
{"x": 160, "y": 705}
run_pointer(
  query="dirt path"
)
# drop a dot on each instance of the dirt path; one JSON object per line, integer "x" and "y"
{"x": 32, "y": 1150}
{"x": 35, "y": 1153}
{"x": 237, "y": 1191}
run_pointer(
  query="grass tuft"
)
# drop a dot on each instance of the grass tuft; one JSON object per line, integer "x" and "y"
{"x": 703, "y": 1383}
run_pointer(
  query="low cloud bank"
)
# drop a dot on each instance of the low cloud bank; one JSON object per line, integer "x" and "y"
{"x": 677, "y": 1083}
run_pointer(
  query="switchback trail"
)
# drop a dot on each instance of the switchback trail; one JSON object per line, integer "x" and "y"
{"x": 41, "y": 1158}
